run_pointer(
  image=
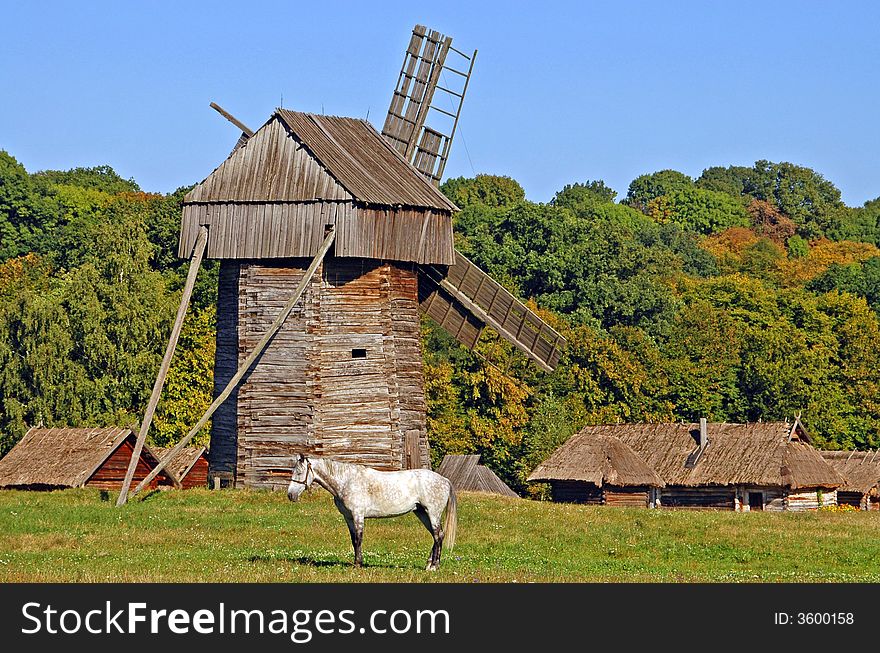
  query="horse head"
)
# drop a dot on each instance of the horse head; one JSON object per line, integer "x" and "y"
{"x": 302, "y": 478}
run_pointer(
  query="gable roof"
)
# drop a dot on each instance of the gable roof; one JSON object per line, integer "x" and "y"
{"x": 63, "y": 457}
{"x": 468, "y": 475}
{"x": 599, "y": 459}
{"x": 349, "y": 160}
{"x": 860, "y": 469}
{"x": 757, "y": 453}
{"x": 184, "y": 460}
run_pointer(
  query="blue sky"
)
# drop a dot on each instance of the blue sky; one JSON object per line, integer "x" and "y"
{"x": 562, "y": 92}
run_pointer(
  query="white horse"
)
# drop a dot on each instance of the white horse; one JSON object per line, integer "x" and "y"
{"x": 362, "y": 492}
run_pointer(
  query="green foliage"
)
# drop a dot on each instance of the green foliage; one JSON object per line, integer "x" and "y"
{"x": 573, "y": 196}
{"x": 712, "y": 298}
{"x": 697, "y": 210}
{"x": 100, "y": 178}
{"x": 189, "y": 386}
{"x": 862, "y": 279}
{"x": 645, "y": 188}
{"x": 85, "y": 316}
{"x": 800, "y": 193}
{"x": 861, "y": 224}
{"x": 490, "y": 190}
{"x": 798, "y": 247}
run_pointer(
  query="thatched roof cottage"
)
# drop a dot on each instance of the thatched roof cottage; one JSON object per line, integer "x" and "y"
{"x": 861, "y": 474}
{"x": 47, "y": 459}
{"x": 598, "y": 469}
{"x": 754, "y": 466}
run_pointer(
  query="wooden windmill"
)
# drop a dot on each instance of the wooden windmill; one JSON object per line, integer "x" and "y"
{"x": 333, "y": 238}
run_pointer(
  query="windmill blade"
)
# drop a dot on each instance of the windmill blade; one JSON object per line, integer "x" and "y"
{"x": 465, "y": 299}
{"x": 413, "y": 100}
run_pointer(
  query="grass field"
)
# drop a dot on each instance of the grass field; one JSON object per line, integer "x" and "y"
{"x": 243, "y": 536}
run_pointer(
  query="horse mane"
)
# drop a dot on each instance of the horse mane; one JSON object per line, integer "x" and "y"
{"x": 335, "y": 467}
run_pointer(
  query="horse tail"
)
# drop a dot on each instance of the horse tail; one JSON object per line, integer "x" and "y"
{"x": 451, "y": 520}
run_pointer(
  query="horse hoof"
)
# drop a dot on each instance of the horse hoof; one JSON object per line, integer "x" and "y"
{"x": 431, "y": 567}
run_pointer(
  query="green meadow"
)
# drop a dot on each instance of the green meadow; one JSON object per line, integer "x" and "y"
{"x": 250, "y": 536}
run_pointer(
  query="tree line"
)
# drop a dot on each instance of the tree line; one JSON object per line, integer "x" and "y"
{"x": 746, "y": 293}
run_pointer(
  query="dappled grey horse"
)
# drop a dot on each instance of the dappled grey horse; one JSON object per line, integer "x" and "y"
{"x": 362, "y": 493}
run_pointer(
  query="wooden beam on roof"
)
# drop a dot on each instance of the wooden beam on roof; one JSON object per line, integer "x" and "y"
{"x": 194, "y": 265}
{"x": 246, "y": 365}
{"x": 247, "y": 131}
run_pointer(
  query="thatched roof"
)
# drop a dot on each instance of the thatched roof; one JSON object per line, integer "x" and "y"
{"x": 598, "y": 459}
{"x": 757, "y": 453}
{"x": 860, "y": 469}
{"x": 468, "y": 475}
{"x": 183, "y": 461}
{"x": 62, "y": 457}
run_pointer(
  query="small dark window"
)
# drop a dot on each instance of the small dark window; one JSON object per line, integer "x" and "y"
{"x": 358, "y": 353}
{"x": 756, "y": 500}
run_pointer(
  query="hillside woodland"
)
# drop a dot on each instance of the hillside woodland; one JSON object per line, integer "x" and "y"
{"x": 747, "y": 293}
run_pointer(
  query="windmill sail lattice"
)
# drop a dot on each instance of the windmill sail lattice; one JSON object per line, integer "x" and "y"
{"x": 460, "y": 297}
{"x": 414, "y": 99}
{"x": 466, "y": 299}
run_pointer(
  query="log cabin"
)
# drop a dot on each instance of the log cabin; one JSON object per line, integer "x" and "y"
{"x": 861, "y": 473}
{"x": 743, "y": 467}
{"x": 468, "y": 475}
{"x": 57, "y": 458}
{"x": 598, "y": 469}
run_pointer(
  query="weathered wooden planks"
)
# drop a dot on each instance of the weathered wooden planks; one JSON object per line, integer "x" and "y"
{"x": 342, "y": 377}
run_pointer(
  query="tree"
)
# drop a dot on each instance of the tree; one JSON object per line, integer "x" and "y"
{"x": 648, "y": 187}
{"x": 574, "y": 195}
{"x": 800, "y": 193}
{"x": 493, "y": 191}
{"x": 733, "y": 180}
{"x": 861, "y": 224}
{"x": 695, "y": 209}
{"x": 768, "y": 221}
{"x": 100, "y": 178}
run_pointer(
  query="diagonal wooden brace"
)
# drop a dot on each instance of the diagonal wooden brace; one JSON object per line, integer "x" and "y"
{"x": 246, "y": 365}
{"x": 195, "y": 263}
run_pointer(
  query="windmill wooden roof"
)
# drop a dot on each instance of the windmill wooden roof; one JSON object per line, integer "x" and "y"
{"x": 349, "y": 160}
{"x": 468, "y": 475}
{"x": 62, "y": 457}
{"x": 183, "y": 461}
{"x": 598, "y": 459}
{"x": 275, "y": 195}
{"x": 757, "y": 453}
{"x": 860, "y": 469}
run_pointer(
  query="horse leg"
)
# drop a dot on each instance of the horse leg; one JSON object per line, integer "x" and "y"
{"x": 358, "y": 540}
{"x": 357, "y": 535}
{"x": 436, "y": 532}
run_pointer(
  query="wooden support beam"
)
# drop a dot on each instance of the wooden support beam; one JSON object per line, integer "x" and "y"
{"x": 194, "y": 264}
{"x": 247, "y": 131}
{"x": 246, "y": 365}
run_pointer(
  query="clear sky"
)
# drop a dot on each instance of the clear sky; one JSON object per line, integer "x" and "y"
{"x": 561, "y": 92}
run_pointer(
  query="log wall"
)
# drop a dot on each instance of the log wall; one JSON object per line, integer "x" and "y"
{"x": 678, "y": 496}
{"x": 576, "y": 492}
{"x": 589, "y": 493}
{"x": 342, "y": 378}
{"x": 810, "y": 499}
{"x": 111, "y": 474}
{"x": 197, "y": 475}
{"x": 635, "y": 497}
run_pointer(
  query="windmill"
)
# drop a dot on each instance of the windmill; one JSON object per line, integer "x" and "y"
{"x": 332, "y": 240}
